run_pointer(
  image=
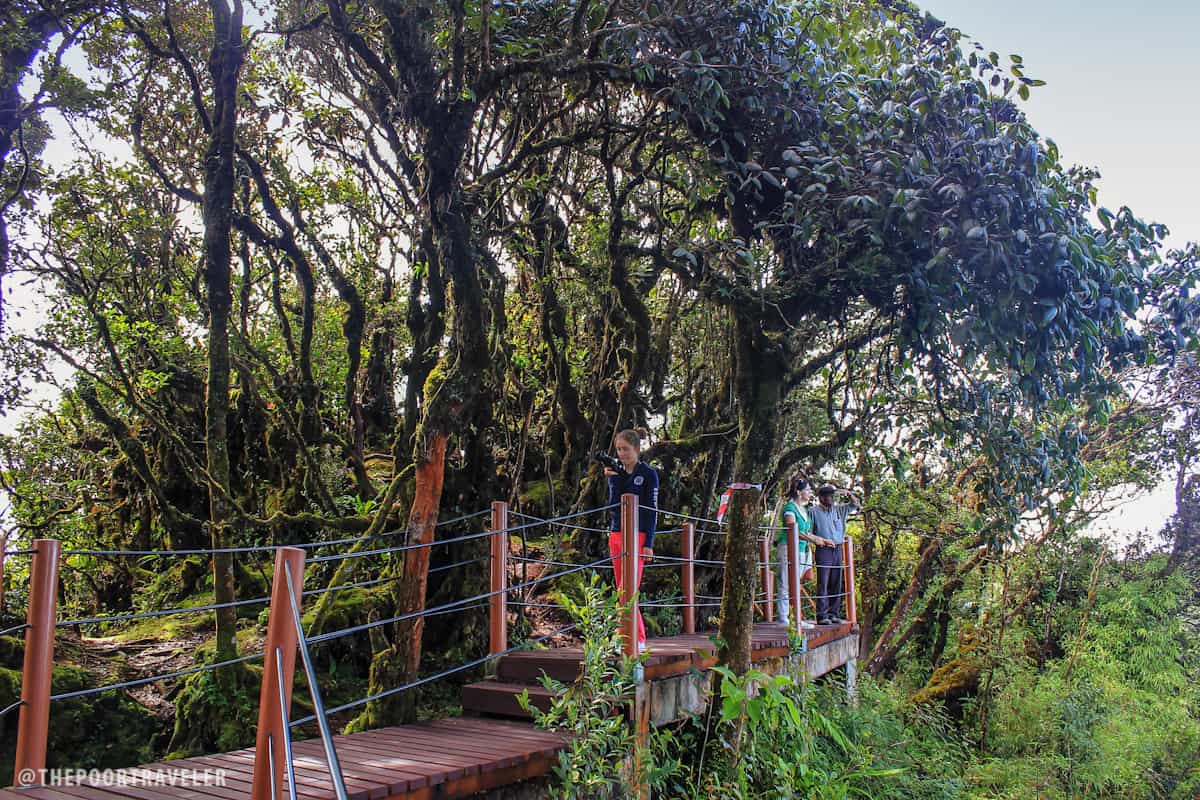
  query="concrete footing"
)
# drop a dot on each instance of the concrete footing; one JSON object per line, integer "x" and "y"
{"x": 676, "y": 698}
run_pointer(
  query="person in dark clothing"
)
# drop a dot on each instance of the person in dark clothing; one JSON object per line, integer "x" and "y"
{"x": 829, "y": 522}
{"x": 641, "y": 479}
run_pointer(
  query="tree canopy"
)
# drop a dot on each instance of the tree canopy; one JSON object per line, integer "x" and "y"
{"x": 340, "y": 267}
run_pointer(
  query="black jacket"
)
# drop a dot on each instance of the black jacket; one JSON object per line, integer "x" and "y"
{"x": 643, "y": 482}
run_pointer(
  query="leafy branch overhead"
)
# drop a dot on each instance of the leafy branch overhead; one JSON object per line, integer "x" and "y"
{"x": 341, "y": 267}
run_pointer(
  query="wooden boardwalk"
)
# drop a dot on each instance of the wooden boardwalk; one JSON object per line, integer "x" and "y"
{"x": 449, "y": 758}
{"x": 446, "y": 758}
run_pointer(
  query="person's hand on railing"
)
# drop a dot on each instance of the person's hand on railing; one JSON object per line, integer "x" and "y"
{"x": 647, "y": 554}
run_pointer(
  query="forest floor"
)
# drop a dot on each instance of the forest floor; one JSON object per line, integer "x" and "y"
{"x": 120, "y": 657}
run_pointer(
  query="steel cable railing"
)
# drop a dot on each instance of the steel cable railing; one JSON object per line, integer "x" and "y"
{"x": 216, "y": 606}
{"x": 680, "y": 515}
{"x": 265, "y": 548}
{"x": 549, "y": 521}
{"x": 438, "y": 676}
{"x": 155, "y": 678}
{"x": 200, "y": 609}
{"x": 476, "y": 601}
{"x": 481, "y": 596}
{"x": 436, "y": 543}
{"x": 456, "y": 606}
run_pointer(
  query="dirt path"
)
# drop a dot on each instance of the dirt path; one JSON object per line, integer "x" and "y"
{"x": 114, "y": 660}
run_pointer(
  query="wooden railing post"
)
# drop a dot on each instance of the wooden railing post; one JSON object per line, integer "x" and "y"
{"x": 628, "y": 567}
{"x": 33, "y": 727}
{"x": 793, "y": 573}
{"x": 498, "y": 606}
{"x": 280, "y": 658}
{"x": 764, "y": 574}
{"x": 848, "y": 579}
{"x": 687, "y": 578}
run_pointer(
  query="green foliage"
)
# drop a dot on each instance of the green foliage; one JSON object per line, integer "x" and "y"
{"x": 1117, "y": 716}
{"x": 768, "y": 738}
{"x": 838, "y": 202}
{"x": 107, "y": 730}
{"x": 216, "y": 712}
{"x": 592, "y": 712}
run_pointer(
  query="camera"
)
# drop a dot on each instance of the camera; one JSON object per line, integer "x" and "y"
{"x": 611, "y": 462}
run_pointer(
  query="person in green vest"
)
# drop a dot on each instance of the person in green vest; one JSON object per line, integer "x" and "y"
{"x": 796, "y": 498}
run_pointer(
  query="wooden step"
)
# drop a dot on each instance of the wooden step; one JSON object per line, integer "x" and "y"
{"x": 529, "y": 667}
{"x": 499, "y": 698}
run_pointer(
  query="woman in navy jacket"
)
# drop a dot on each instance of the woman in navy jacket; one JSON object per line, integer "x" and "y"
{"x": 641, "y": 479}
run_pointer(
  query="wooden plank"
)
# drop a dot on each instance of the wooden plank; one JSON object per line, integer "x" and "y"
{"x": 438, "y": 761}
{"x": 397, "y": 778}
{"x": 39, "y": 792}
{"x": 412, "y": 771}
{"x": 148, "y": 792}
{"x": 489, "y": 746}
{"x": 381, "y": 782}
{"x": 311, "y": 782}
{"x": 530, "y": 670}
{"x": 473, "y": 785}
{"x": 495, "y": 697}
{"x": 423, "y": 756}
{"x": 480, "y": 744}
{"x": 238, "y": 777}
{"x": 470, "y": 744}
{"x": 534, "y": 741}
{"x": 88, "y": 792}
{"x": 312, "y": 779}
{"x": 670, "y": 669}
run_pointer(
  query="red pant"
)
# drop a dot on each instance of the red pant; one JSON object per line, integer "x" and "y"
{"x": 614, "y": 549}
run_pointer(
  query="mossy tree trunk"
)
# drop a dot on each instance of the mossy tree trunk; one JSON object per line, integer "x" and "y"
{"x": 457, "y": 385}
{"x": 225, "y": 62}
{"x": 741, "y": 579}
{"x": 758, "y": 385}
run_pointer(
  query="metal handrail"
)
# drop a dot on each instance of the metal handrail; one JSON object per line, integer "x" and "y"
{"x": 331, "y": 757}
{"x": 287, "y": 733}
{"x": 256, "y": 548}
{"x": 271, "y": 765}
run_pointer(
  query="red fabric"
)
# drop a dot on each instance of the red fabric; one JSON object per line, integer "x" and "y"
{"x": 614, "y": 549}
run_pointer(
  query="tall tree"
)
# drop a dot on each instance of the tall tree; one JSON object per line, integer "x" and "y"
{"x": 225, "y": 64}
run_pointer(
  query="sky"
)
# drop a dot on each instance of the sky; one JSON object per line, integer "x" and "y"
{"x": 1122, "y": 94}
{"x": 1122, "y": 91}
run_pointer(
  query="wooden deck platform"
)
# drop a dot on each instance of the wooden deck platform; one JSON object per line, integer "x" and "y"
{"x": 446, "y": 758}
{"x": 666, "y": 657}
{"x": 449, "y": 758}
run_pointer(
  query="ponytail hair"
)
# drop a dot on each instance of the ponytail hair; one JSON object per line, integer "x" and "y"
{"x": 630, "y": 437}
{"x": 795, "y": 486}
